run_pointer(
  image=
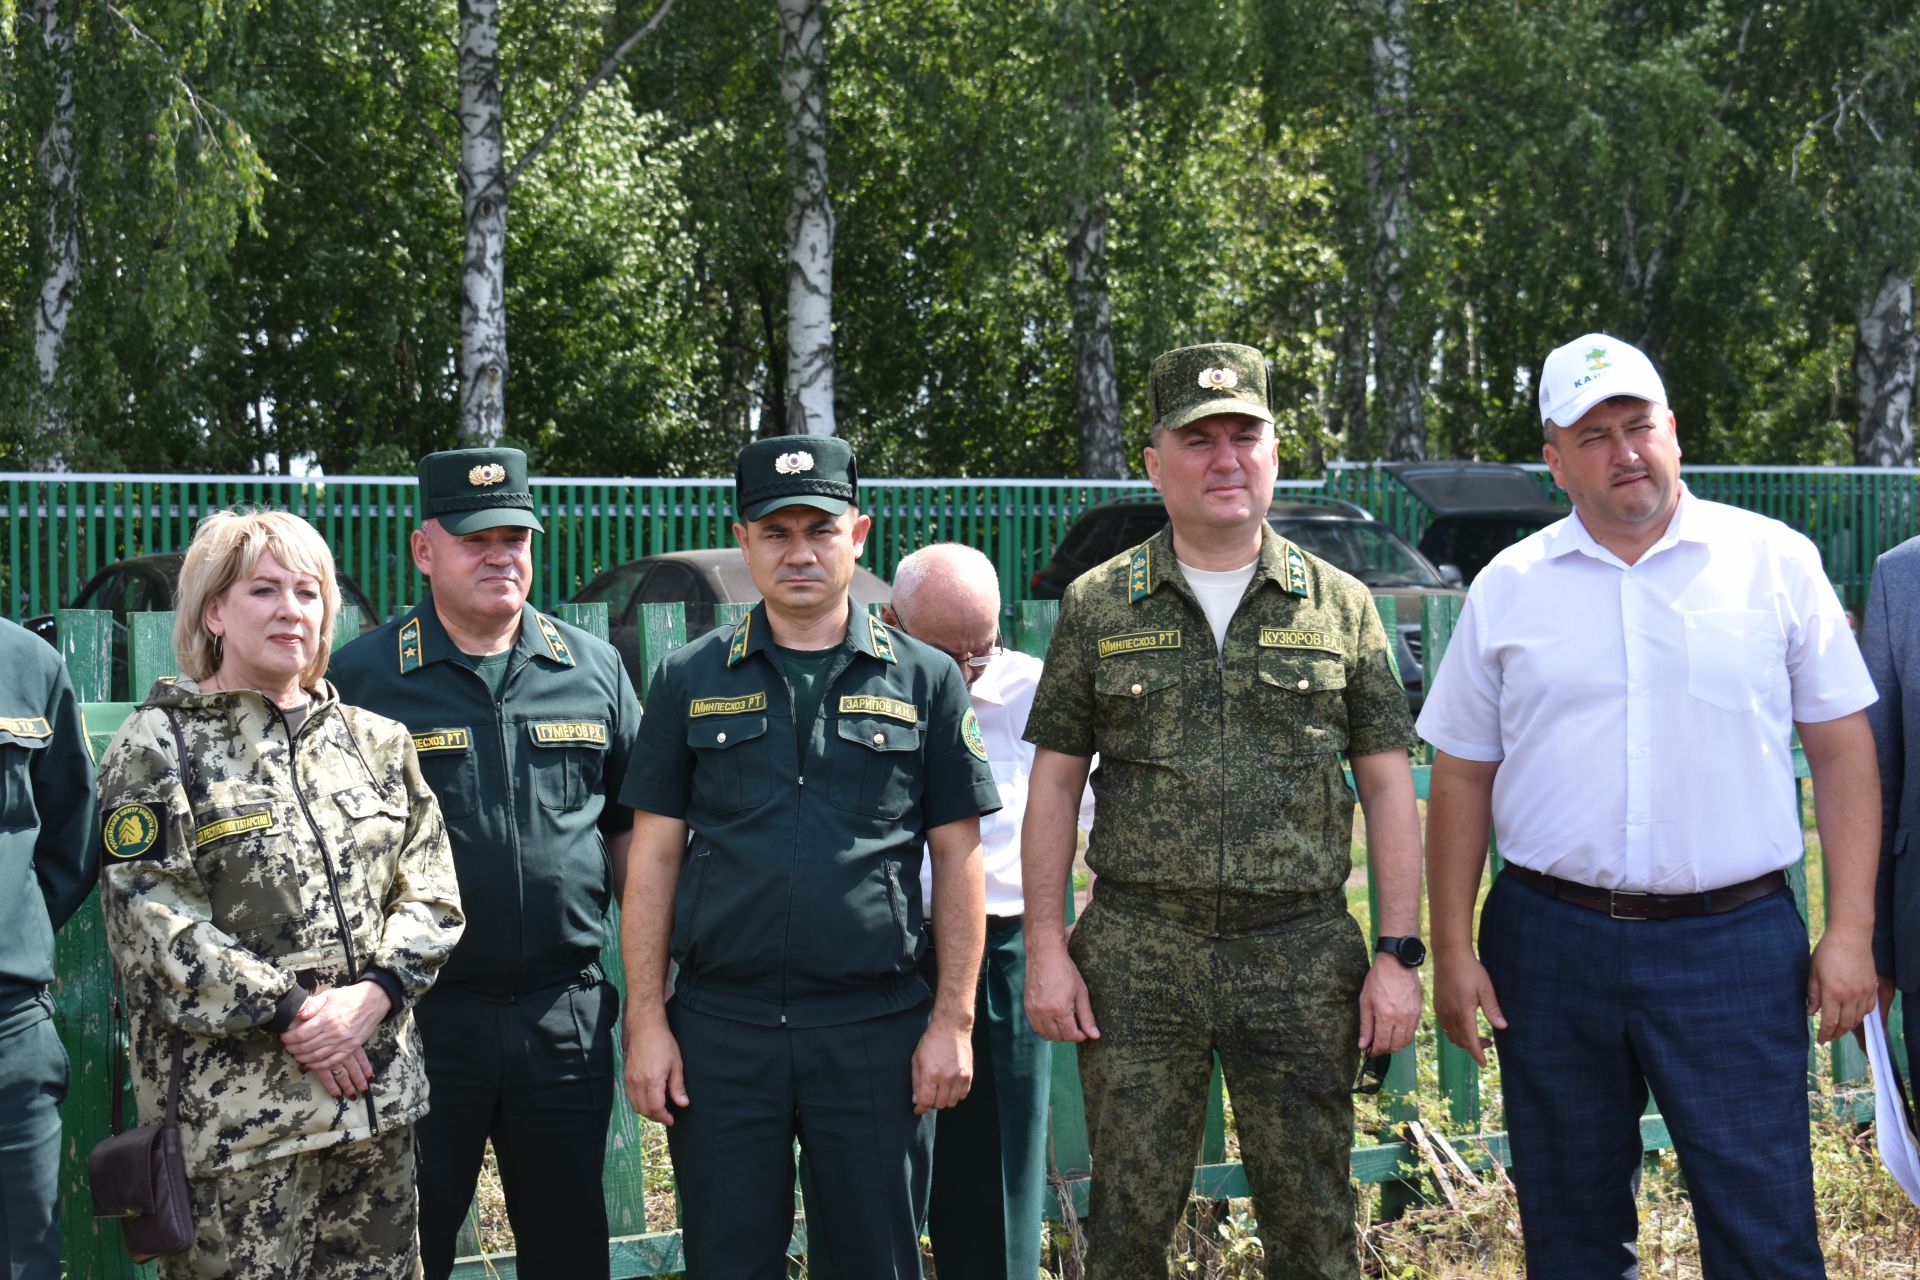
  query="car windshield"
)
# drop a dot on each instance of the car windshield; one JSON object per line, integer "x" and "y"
{"x": 1370, "y": 552}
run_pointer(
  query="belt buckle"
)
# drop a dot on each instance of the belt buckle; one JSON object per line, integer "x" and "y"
{"x": 1614, "y": 899}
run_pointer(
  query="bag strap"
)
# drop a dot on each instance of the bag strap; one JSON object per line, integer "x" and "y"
{"x": 118, "y": 1035}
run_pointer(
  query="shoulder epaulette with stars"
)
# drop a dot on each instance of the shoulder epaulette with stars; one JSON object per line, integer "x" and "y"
{"x": 410, "y": 646}
{"x": 881, "y": 638}
{"x": 737, "y": 651}
{"x": 1140, "y": 574}
{"x": 1296, "y": 572}
{"x": 556, "y": 647}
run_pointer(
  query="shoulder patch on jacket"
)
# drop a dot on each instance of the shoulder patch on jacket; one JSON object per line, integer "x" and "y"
{"x": 970, "y": 730}
{"x": 1140, "y": 574}
{"x": 133, "y": 831}
{"x": 556, "y": 647}
{"x": 410, "y": 646}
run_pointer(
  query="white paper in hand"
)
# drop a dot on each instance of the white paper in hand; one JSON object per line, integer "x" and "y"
{"x": 1896, "y": 1140}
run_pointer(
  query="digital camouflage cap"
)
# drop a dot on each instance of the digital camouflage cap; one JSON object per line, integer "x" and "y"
{"x": 468, "y": 490}
{"x": 786, "y": 471}
{"x": 1191, "y": 383}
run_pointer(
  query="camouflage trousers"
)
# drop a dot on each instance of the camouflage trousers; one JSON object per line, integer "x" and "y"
{"x": 345, "y": 1213}
{"x": 1274, "y": 989}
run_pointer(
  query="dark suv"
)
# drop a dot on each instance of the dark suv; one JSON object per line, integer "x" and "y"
{"x": 1342, "y": 534}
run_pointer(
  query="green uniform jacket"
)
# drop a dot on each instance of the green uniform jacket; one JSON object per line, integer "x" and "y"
{"x": 799, "y": 902}
{"x": 526, "y": 784}
{"x": 1220, "y": 772}
{"x": 310, "y": 859}
{"x": 48, "y": 852}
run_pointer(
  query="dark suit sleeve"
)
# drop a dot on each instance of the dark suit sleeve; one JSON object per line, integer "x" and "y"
{"x": 66, "y": 856}
{"x": 1878, "y": 645}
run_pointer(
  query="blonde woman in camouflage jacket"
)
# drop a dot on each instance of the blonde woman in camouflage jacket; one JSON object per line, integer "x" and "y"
{"x": 279, "y": 891}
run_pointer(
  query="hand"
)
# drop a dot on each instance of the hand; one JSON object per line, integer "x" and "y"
{"x": 655, "y": 1075}
{"x": 333, "y": 1024}
{"x": 1056, "y": 997}
{"x": 942, "y": 1066}
{"x": 1461, "y": 988}
{"x": 1841, "y": 986}
{"x": 350, "y": 1079}
{"x": 1389, "y": 1007}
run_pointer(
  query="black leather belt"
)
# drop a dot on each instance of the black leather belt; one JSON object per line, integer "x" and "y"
{"x": 997, "y": 925}
{"x": 1651, "y": 906}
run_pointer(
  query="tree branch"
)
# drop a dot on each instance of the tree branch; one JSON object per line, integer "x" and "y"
{"x": 580, "y": 95}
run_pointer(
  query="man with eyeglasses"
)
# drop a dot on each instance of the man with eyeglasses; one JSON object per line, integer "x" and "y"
{"x": 1224, "y": 676}
{"x": 988, "y": 1154}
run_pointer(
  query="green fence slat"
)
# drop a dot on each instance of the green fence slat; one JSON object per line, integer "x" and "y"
{"x": 346, "y": 625}
{"x": 729, "y": 614}
{"x": 149, "y": 651}
{"x": 663, "y": 628}
{"x": 86, "y": 646}
{"x": 1033, "y": 624}
{"x": 1459, "y": 1074}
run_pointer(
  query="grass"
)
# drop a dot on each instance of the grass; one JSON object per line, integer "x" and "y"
{"x": 1869, "y": 1230}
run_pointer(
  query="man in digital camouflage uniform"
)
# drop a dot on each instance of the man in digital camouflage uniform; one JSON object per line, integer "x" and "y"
{"x": 800, "y": 765}
{"x": 524, "y": 726}
{"x": 48, "y": 859}
{"x": 1222, "y": 674}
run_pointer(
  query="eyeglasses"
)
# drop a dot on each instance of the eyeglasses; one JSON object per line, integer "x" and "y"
{"x": 977, "y": 660}
{"x": 1373, "y": 1073}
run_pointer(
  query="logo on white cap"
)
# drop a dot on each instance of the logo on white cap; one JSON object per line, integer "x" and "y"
{"x": 1590, "y": 369}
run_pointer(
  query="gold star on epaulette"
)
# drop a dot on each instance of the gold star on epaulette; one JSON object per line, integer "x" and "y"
{"x": 737, "y": 651}
{"x": 410, "y": 647}
{"x": 881, "y": 638}
{"x": 556, "y": 647}
{"x": 1140, "y": 575}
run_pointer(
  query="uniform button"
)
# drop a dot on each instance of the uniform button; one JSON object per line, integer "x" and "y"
{"x": 1303, "y": 685}
{"x": 719, "y": 737}
{"x": 879, "y": 738}
{"x": 1135, "y": 691}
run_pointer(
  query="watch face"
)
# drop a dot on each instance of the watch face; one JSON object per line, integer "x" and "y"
{"x": 1412, "y": 951}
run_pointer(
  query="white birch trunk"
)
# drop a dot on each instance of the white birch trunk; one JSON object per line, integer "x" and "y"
{"x": 483, "y": 199}
{"x": 61, "y": 224}
{"x": 1096, "y": 389}
{"x": 803, "y": 91}
{"x": 1884, "y": 356}
{"x": 1398, "y": 357}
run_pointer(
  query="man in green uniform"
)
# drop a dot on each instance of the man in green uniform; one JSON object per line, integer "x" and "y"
{"x": 524, "y": 727}
{"x": 1221, "y": 674}
{"x": 809, "y": 753}
{"x": 49, "y": 856}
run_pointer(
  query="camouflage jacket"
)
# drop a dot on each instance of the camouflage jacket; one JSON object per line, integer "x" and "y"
{"x": 304, "y": 858}
{"x": 1220, "y": 770}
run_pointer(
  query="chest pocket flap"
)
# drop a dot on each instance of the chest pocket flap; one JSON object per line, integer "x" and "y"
{"x": 733, "y": 763}
{"x": 880, "y": 735}
{"x": 1302, "y": 673}
{"x": 366, "y": 802}
{"x": 873, "y": 774}
{"x": 1302, "y": 702}
{"x": 566, "y": 759}
{"x": 1139, "y": 708}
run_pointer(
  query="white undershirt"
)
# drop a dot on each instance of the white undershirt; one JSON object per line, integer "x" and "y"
{"x": 1219, "y": 595}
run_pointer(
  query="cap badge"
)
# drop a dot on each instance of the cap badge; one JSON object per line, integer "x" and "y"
{"x": 790, "y": 464}
{"x": 1597, "y": 359}
{"x": 486, "y": 473}
{"x": 1218, "y": 379}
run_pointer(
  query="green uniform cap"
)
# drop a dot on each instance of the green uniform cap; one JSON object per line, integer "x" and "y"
{"x": 1191, "y": 383}
{"x": 468, "y": 490}
{"x": 787, "y": 471}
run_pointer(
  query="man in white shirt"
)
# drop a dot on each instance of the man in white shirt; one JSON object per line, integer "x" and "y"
{"x": 1619, "y": 699}
{"x": 989, "y": 1172}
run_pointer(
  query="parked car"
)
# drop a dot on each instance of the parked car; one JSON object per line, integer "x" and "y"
{"x": 1342, "y": 534}
{"x": 697, "y": 579}
{"x": 147, "y": 584}
{"x": 1478, "y": 509}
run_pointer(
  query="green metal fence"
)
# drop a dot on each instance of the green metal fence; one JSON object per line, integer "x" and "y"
{"x": 60, "y": 529}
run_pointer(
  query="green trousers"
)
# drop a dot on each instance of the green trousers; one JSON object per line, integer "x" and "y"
{"x": 1276, "y": 994}
{"x": 33, "y": 1082}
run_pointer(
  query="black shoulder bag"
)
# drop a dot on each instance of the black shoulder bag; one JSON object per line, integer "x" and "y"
{"x": 140, "y": 1176}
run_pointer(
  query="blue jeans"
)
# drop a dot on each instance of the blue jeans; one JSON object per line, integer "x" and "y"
{"x": 1710, "y": 1011}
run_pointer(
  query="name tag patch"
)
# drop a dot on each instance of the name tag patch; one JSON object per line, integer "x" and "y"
{"x": 442, "y": 740}
{"x": 728, "y": 706}
{"x": 556, "y": 731}
{"x": 26, "y": 726}
{"x": 1285, "y": 638}
{"x": 1135, "y": 641}
{"x": 260, "y": 819}
{"x": 866, "y": 704}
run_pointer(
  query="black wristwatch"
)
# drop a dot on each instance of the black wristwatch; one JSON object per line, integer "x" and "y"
{"x": 1408, "y": 950}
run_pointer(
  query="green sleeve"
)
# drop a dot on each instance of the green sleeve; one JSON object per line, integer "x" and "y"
{"x": 959, "y": 783}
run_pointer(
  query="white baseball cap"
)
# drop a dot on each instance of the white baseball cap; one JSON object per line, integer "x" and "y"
{"x": 1591, "y": 369}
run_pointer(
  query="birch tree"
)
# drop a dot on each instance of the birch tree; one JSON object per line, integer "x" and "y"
{"x": 810, "y": 218}
{"x": 61, "y": 227}
{"x": 1399, "y": 345}
{"x": 486, "y": 186}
